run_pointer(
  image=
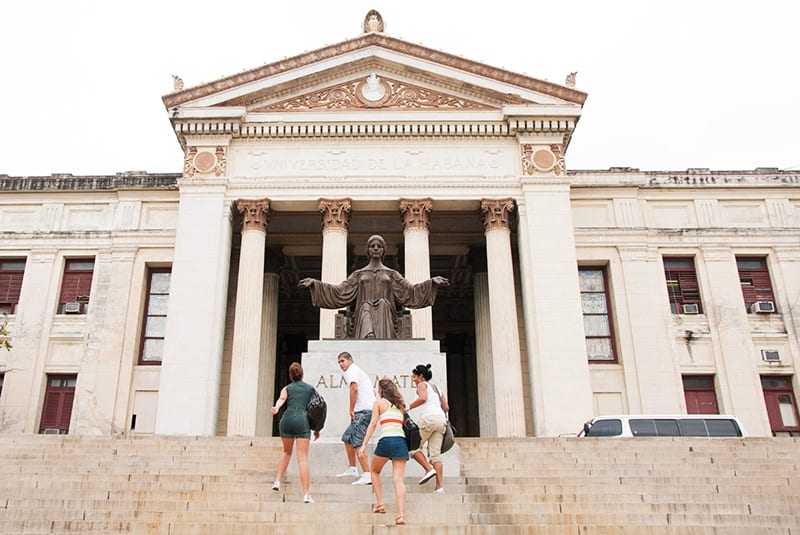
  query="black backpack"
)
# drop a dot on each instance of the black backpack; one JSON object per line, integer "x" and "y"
{"x": 317, "y": 410}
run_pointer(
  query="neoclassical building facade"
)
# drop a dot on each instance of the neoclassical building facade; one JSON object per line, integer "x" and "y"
{"x": 169, "y": 304}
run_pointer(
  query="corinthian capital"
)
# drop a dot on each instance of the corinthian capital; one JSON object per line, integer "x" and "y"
{"x": 335, "y": 213}
{"x": 496, "y": 213}
{"x": 416, "y": 213}
{"x": 255, "y": 213}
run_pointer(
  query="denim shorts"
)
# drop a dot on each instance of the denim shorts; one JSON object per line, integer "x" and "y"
{"x": 392, "y": 448}
{"x": 354, "y": 434}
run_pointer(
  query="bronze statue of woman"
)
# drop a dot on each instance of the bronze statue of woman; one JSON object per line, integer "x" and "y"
{"x": 376, "y": 291}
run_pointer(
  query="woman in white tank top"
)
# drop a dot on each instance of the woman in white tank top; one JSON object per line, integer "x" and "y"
{"x": 432, "y": 423}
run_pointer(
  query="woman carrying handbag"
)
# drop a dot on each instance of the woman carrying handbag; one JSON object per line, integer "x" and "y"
{"x": 432, "y": 424}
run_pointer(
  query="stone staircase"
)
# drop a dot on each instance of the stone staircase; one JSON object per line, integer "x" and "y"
{"x": 188, "y": 485}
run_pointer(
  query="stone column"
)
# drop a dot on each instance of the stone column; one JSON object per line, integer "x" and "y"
{"x": 509, "y": 405}
{"x": 269, "y": 341}
{"x": 483, "y": 346}
{"x": 188, "y": 399}
{"x": 736, "y": 357}
{"x": 335, "y": 221}
{"x": 416, "y": 228}
{"x": 247, "y": 326}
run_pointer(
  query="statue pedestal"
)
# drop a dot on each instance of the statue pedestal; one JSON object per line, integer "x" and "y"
{"x": 378, "y": 358}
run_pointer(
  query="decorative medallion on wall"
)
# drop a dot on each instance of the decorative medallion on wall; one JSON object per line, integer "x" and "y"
{"x": 374, "y": 91}
{"x": 542, "y": 159}
{"x": 204, "y": 161}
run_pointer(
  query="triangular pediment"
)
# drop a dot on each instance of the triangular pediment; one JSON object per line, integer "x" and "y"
{"x": 374, "y": 72}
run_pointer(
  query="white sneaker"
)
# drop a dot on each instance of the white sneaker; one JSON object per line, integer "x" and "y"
{"x": 351, "y": 471}
{"x": 308, "y": 499}
{"x": 365, "y": 479}
{"x": 276, "y": 486}
{"x": 439, "y": 491}
{"x": 427, "y": 477}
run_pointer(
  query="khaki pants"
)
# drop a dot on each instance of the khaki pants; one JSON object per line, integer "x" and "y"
{"x": 431, "y": 430}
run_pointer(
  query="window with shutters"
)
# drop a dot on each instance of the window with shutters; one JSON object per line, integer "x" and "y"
{"x": 58, "y": 399}
{"x": 784, "y": 419}
{"x": 155, "y": 316}
{"x": 682, "y": 287}
{"x": 597, "y": 320}
{"x": 76, "y": 286}
{"x": 11, "y": 273}
{"x": 754, "y": 279}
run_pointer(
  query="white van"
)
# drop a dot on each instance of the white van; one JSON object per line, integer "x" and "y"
{"x": 663, "y": 425}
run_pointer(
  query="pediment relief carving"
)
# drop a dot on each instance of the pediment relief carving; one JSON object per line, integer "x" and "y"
{"x": 374, "y": 92}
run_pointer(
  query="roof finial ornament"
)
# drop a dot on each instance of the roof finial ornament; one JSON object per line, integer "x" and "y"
{"x": 570, "y": 81}
{"x": 373, "y": 22}
{"x": 177, "y": 82}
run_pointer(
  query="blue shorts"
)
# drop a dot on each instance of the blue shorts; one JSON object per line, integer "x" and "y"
{"x": 392, "y": 448}
{"x": 354, "y": 434}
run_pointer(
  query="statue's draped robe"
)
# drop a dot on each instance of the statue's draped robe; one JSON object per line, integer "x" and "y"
{"x": 376, "y": 292}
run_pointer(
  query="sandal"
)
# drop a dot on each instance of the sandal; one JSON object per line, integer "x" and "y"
{"x": 380, "y": 508}
{"x": 400, "y": 521}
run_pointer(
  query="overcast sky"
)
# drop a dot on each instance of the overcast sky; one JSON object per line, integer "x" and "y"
{"x": 671, "y": 84}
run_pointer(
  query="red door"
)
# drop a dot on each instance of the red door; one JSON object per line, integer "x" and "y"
{"x": 781, "y": 406}
{"x": 58, "y": 399}
{"x": 701, "y": 398}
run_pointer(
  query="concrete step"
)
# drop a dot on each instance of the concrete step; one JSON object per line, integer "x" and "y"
{"x": 222, "y": 485}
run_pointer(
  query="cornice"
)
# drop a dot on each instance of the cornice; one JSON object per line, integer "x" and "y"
{"x": 98, "y": 183}
{"x": 625, "y": 176}
{"x": 347, "y": 129}
{"x": 364, "y": 41}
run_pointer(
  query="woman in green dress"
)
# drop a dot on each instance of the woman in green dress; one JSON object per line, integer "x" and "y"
{"x": 294, "y": 427}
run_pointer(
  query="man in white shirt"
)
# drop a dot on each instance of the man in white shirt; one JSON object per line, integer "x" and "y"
{"x": 362, "y": 397}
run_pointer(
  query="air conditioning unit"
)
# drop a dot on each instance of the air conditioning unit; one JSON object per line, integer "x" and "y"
{"x": 770, "y": 355}
{"x": 690, "y": 308}
{"x": 762, "y": 307}
{"x": 51, "y": 431}
{"x": 73, "y": 307}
